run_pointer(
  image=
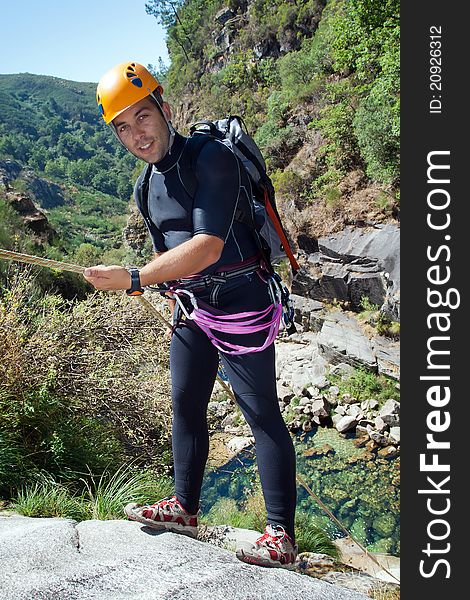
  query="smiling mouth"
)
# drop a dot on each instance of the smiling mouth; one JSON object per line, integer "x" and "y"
{"x": 145, "y": 146}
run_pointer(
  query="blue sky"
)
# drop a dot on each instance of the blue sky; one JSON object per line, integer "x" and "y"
{"x": 77, "y": 39}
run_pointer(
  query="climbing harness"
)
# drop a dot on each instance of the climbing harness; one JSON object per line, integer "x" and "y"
{"x": 210, "y": 320}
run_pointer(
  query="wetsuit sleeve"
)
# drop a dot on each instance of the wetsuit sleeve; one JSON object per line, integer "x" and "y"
{"x": 156, "y": 235}
{"x": 218, "y": 190}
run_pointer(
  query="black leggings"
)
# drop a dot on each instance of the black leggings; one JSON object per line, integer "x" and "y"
{"x": 193, "y": 364}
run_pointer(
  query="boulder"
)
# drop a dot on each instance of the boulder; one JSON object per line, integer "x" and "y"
{"x": 387, "y": 353}
{"x": 375, "y": 247}
{"x": 354, "y": 410}
{"x": 395, "y": 434}
{"x": 342, "y": 340}
{"x": 284, "y": 393}
{"x": 379, "y": 438}
{"x": 307, "y": 312}
{"x": 333, "y": 391}
{"x": 390, "y": 413}
{"x": 388, "y": 452}
{"x": 346, "y": 424}
{"x": 380, "y": 425}
{"x": 344, "y": 370}
{"x": 224, "y": 15}
{"x": 62, "y": 559}
{"x": 320, "y": 407}
{"x": 370, "y": 404}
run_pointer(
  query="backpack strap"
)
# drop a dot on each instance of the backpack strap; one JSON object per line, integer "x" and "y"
{"x": 141, "y": 190}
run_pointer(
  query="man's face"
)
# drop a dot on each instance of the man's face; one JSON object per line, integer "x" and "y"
{"x": 143, "y": 130}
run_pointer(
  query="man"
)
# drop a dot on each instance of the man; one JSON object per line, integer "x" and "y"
{"x": 190, "y": 200}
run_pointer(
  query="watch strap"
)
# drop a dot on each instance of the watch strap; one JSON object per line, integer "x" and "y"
{"x": 136, "y": 287}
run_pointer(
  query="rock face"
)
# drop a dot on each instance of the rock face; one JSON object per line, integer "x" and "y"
{"x": 341, "y": 340}
{"x": 33, "y": 217}
{"x": 110, "y": 560}
{"x": 353, "y": 263}
{"x": 46, "y": 193}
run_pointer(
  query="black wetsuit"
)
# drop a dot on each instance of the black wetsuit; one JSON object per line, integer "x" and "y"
{"x": 200, "y": 192}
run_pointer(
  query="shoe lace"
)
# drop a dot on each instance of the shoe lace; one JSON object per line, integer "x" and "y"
{"x": 166, "y": 503}
{"x": 273, "y": 537}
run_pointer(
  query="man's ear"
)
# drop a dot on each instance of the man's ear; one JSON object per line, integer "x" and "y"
{"x": 167, "y": 110}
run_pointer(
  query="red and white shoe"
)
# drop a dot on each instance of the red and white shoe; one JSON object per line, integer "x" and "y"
{"x": 165, "y": 514}
{"x": 273, "y": 549}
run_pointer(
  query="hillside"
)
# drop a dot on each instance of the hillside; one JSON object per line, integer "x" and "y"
{"x": 55, "y": 150}
{"x": 317, "y": 83}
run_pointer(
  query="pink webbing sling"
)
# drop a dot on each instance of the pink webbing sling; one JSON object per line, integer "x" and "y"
{"x": 236, "y": 323}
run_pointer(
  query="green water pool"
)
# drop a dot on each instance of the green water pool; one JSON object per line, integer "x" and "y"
{"x": 361, "y": 492}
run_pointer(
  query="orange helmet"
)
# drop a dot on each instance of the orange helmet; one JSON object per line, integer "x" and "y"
{"x": 122, "y": 86}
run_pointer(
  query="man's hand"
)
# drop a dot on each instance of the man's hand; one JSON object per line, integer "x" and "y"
{"x": 108, "y": 278}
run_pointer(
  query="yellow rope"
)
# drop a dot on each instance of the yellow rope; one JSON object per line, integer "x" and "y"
{"x": 54, "y": 264}
{"x": 37, "y": 260}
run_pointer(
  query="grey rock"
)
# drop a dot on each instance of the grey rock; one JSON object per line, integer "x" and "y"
{"x": 395, "y": 434}
{"x": 390, "y": 413}
{"x": 380, "y": 244}
{"x": 307, "y": 312}
{"x": 305, "y": 401}
{"x": 237, "y": 444}
{"x": 345, "y": 424}
{"x": 344, "y": 370}
{"x": 387, "y": 353}
{"x": 354, "y": 410}
{"x": 331, "y": 284}
{"x": 284, "y": 392}
{"x": 224, "y": 15}
{"x": 340, "y": 410}
{"x": 229, "y": 420}
{"x": 336, "y": 418}
{"x": 110, "y": 560}
{"x": 341, "y": 340}
{"x": 312, "y": 392}
{"x": 369, "y": 404}
{"x": 333, "y": 391}
{"x": 370, "y": 285}
{"x": 300, "y": 365}
{"x": 319, "y": 408}
{"x": 360, "y": 582}
{"x": 380, "y": 425}
{"x": 348, "y": 399}
{"x": 378, "y": 438}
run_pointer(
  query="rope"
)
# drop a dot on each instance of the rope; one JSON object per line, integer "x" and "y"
{"x": 42, "y": 262}
{"x": 54, "y": 264}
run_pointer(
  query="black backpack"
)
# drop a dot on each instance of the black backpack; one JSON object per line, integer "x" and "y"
{"x": 232, "y": 132}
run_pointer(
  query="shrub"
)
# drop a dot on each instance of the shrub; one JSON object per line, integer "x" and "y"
{"x": 377, "y": 136}
{"x": 310, "y": 538}
{"x": 47, "y": 498}
{"x": 363, "y": 385}
{"x": 64, "y": 373}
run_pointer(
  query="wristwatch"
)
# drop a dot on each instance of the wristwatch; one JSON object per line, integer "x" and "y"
{"x": 136, "y": 288}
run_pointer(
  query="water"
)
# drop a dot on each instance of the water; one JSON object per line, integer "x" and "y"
{"x": 362, "y": 493}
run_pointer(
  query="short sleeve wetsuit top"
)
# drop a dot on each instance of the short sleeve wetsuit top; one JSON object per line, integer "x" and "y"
{"x": 190, "y": 195}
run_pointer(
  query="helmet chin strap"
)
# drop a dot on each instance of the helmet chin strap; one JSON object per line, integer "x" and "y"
{"x": 171, "y": 129}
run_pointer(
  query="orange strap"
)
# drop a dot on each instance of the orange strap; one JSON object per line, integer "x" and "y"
{"x": 280, "y": 232}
